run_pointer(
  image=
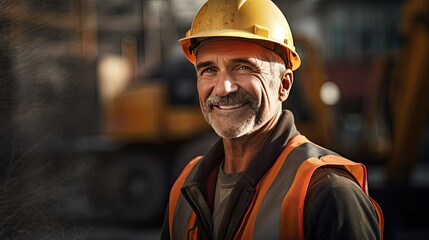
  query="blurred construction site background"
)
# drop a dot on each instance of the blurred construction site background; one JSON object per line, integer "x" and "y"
{"x": 99, "y": 113}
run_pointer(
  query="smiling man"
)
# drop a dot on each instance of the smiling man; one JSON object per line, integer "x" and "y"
{"x": 241, "y": 86}
{"x": 262, "y": 179}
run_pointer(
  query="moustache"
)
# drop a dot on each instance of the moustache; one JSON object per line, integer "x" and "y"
{"x": 239, "y": 97}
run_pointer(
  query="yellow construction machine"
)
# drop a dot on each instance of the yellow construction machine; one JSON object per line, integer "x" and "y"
{"x": 396, "y": 129}
{"x": 398, "y": 101}
{"x": 151, "y": 132}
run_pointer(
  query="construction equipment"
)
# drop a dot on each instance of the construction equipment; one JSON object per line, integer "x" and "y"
{"x": 398, "y": 104}
{"x": 396, "y": 126}
{"x": 147, "y": 132}
{"x": 314, "y": 118}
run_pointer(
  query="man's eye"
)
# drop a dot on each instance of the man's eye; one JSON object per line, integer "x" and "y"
{"x": 207, "y": 70}
{"x": 243, "y": 68}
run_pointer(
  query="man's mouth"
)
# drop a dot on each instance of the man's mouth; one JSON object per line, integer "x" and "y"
{"x": 229, "y": 107}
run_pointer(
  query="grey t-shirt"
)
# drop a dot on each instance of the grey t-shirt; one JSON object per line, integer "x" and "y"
{"x": 224, "y": 185}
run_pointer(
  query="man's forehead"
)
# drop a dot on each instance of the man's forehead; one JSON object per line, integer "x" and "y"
{"x": 232, "y": 47}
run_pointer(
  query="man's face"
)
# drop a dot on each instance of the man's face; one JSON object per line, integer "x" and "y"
{"x": 239, "y": 86}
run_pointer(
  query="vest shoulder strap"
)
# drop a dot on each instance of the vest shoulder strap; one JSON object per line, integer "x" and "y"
{"x": 292, "y": 209}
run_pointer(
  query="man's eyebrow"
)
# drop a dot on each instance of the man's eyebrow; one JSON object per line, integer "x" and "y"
{"x": 245, "y": 61}
{"x": 235, "y": 60}
{"x": 203, "y": 64}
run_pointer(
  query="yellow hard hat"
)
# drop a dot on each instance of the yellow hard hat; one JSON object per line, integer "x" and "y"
{"x": 259, "y": 21}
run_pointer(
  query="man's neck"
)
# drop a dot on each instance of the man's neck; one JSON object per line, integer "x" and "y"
{"x": 239, "y": 152}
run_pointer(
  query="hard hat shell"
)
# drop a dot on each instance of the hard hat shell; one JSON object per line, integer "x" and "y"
{"x": 259, "y": 21}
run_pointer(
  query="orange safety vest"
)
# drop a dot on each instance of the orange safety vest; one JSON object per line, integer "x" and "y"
{"x": 290, "y": 204}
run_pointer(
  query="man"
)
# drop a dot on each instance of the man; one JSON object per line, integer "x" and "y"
{"x": 262, "y": 180}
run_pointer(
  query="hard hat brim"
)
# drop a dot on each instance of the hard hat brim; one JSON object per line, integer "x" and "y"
{"x": 233, "y": 33}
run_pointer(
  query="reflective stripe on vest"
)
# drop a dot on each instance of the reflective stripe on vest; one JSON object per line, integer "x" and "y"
{"x": 178, "y": 208}
{"x": 277, "y": 208}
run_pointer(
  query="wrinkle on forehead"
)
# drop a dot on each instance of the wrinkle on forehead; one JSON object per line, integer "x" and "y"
{"x": 234, "y": 48}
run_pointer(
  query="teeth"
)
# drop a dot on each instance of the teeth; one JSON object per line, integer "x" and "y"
{"x": 227, "y": 107}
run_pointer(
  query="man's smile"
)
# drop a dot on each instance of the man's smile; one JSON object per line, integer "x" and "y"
{"x": 230, "y": 107}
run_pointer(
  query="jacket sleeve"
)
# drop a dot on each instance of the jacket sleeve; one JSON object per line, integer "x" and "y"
{"x": 337, "y": 208}
{"x": 165, "y": 231}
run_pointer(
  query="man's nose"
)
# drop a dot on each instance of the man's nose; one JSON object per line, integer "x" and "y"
{"x": 225, "y": 85}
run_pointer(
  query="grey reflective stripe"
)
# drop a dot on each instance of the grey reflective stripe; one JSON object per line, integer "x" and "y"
{"x": 182, "y": 210}
{"x": 267, "y": 223}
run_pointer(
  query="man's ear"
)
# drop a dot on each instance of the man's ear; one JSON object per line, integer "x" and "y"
{"x": 285, "y": 85}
